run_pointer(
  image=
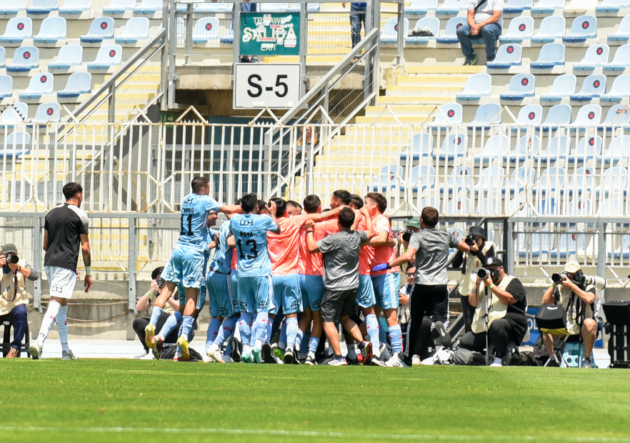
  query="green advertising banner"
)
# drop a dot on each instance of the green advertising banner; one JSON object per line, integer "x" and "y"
{"x": 270, "y": 34}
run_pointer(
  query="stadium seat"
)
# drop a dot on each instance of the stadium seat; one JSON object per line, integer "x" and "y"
{"x": 477, "y": 86}
{"x": 486, "y": 115}
{"x": 582, "y": 28}
{"x": 39, "y": 85}
{"x": 274, "y": 7}
{"x": 205, "y": 30}
{"x": 507, "y": 56}
{"x": 421, "y": 177}
{"x": 623, "y": 251}
{"x": 12, "y": 116}
{"x": 526, "y": 147}
{"x": 107, "y": 56}
{"x": 530, "y": 115}
{"x": 6, "y": 86}
{"x": 518, "y": 208}
{"x": 617, "y": 115}
{"x": 148, "y": 7}
{"x": 213, "y": 7}
{"x": 618, "y": 149}
{"x": 558, "y": 148}
{"x": 558, "y": 115}
{"x": 519, "y": 179}
{"x": 181, "y": 28}
{"x": 612, "y": 5}
{"x": 69, "y": 56}
{"x": 453, "y": 115}
{"x": 47, "y": 113}
{"x": 3, "y": 57}
{"x": 596, "y": 56}
{"x": 43, "y": 7}
{"x": 580, "y": 208}
{"x": 52, "y": 30}
{"x": 623, "y": 31}
{"x": 390, "y": 31}
{"x": 100, "y": 29}
{"x": 19, "y": 138}
{"x": 551, "y": 179}
{"x": 453, "y": 146}
{"x": 25, "y": 58}
{"x": 550, "y": 55}
{"x": 547, "y": 6}
{"x": 121, "y": 6}
{"x": 592, "y": 87}
{"x": 78, "y": 83}
{"x": 588, "y": 147}
{"x": 588, "y": 115}
{"x": 579, "y": 6}
{"x": 490, "y": 180}
{"x": 517, "y": 6}
{"x": 450, "y": 31}
{"x": 489, "y": 206}
{"x": 458, "y": 206}
{"x": 613, "y": 182}
{"x": 563, "y": 86}
{"x": 71, "y": 7}
{"x": 229, "y": 38}
{"x": 570, "y": 244}
{"x": 551, "y": 29}
{"x": 520, "y": 28}
{"x": 136, "y": 28}
{"x": 611, "y": 207}
{"x": 497, "y": 147}
{"x": 18, "y": 29}
{"x": 422, "y": 146}
{"x": 428, "y": 22}
{"x": 621, "y": 60}
{"x": 12, "y": 7}
{"x": 389, "y": 177}
{"x": 452, "y": 7}
{"x": 419, "y": 7}
{"x": 521, "y": 86}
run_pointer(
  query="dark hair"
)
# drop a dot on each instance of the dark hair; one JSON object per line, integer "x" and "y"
{"x": 342, "y": 195}
{"x": 197, "y": 183}
{"x": 249, "y": 202}
{"x": 70, "y": 190}
{"x": 356, "y": 201}
{"x": 346, "y": 217}
{"x": 239, "y": 201}
{"x": 430, "y": 216}
{"x": 156, "y": 272}
{"x": 261, "y": 205}
{"x": 294, "y": 204}
{"x": 379, "y": 199}
{"x": 311, "y": 203}
{"x": 281, "y": 207}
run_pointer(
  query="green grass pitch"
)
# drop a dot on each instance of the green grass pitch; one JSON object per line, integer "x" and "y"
{"x": 90, "y": 401}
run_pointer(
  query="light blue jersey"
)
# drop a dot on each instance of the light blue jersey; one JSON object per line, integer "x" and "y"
{"x": 193, "y": 230}
{"x": 222, "y": 260}
{"x": 250, "y": 235}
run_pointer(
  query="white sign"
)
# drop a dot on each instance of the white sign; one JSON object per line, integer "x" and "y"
{"x": 274, "y": 85}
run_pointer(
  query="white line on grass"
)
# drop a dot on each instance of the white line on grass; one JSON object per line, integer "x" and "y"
{"x": 121, "y": 430}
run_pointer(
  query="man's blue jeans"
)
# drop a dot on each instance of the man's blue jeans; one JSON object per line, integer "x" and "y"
{"x": 490, "y": 33}
{"x": 357, "y": 16}
{"x": 18, "y": 316}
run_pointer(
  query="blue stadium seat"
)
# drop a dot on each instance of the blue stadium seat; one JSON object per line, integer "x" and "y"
{"x": 519, "y": 179}
{"x": 580, "y": 208}
{"x": 452, "y": 7}
{"x": 570, "y": 244}
{"x": 205, "y": 30}
{"x": 100, "y": 29}
{"x": 458, "y": 206}
{"x": 558, "y": 148}
{"x": 419, "y": 7}
{"x": 490, "y": 180}
{"x": 453, "y": 115}
{"x": 274, "y": 7}
{"x": 107, "y": 56}
{"x": 47, "y": 113}
{"x": 623, "y": 31}
{"x": 43, "y": 7}
{"x": 390, "y": 31}
{"x": 71, "y": 7}
{"x": 551, "y": 29}
{"x": 18, "y": 29}
{"x": 520, "y": 28}
{"x": 489, "y": 206}
{"x": 12, "y": 116}
{"x": 526, "y": 147}
{"x": 588, "y": 147}
{"x": 592, "y": 87}
{"x": 612, "y": 5}
{"x": 618, "y": 149}
{"x": 12, "y": 7}
{"x": 517, "y": 6}
{"x": 25, "y": 58}
{"x": 521, "y": 86}
{"x": 477, "y": 86}
{"x": 3, "y": 57}
{"x": 486, "y": 115}
{"x": 313, "y": 7}
{"x": 558, "y": 115}
{"x": 389, "y": 177}
{"x": 120, "y": 6}
{"x": 497, "y": 147}
{"x": 550, "y": 55}
{"x": 422, "y": 146}
{"x": 551, "y": 179}
{"x": 582, "y": 28}
{"x": 588, "y": 115}
{"x": 213, "y": 7}
{"x": 623, "y": 251}
{"x": 450, "y": 31}
{"x": 507, "y": 56}
{"x": 148, "y": 7}
{"x": 428, "y": 22}
{"x": 52, "y": 30}
{"x": 611, "y": 207}
{"x": 563, "y": 86}
{"x": 69, "y": 56}
{"x": 136, "y": 29}
{"x": 453, "y": 146}
{"x": 22, "y": 109}
{"x": 613, "y": 180}
{"x": 19, "y": 138}
{"x": 617, "y": 115}
{"x": 596, "y": 56}
{"x": 78, "y": 83}
{"x": 39, "y": 85}
{"x": 229, "y": 38}
{"x": 519, "y": 208}
{"x": 621, "y": 60}
{"x": 421, "y": 177}
{"x": 547, "y": 6}
{"x": 530, "y": 115}
{"x": 6, "y": 86}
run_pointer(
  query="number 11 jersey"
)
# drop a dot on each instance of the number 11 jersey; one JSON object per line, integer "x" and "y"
{"x": 250, "y": 235}
{"x": 193, "y": 229}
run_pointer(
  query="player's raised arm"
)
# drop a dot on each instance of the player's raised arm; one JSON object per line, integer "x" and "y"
{"x": 231, "y": 209}
{"x": 272, "y": 212}
{"x": 326, "y": 215}
{"x": 87, "y": 260}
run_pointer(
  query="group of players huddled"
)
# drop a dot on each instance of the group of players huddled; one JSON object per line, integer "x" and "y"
{"x": 263, "y": 267}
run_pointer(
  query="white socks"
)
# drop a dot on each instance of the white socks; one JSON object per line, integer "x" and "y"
{"x": 62, "y": 327}
{"x": 49, "y": 320}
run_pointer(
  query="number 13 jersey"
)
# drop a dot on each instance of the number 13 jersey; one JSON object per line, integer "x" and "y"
{"x": 250, "y": 235}
{"x": 193, "y": 229}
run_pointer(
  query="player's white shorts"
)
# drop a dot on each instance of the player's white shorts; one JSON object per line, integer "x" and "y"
{"x": 61, "y": 281}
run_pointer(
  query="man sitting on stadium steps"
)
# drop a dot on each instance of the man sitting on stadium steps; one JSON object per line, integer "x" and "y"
{"x": 485, "y": 20}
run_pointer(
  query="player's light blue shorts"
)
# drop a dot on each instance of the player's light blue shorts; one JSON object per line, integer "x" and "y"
{"x": 365, "y": 297}
{"x": 236, "y": 303}
{"x": 287, "y": 294}
{"x": 201, "y": 296}
{"x": 255, "y": 292}
{"x": 386, "y": 287}
{"x": 312, "y": 288}
{"x": 186, "y": 267}
{"x": 219, "y": 294}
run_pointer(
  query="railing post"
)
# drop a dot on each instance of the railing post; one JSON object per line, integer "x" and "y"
{"x": 172, "y": 49}
{"x": 236, "y": 42}
{"x": 368, "y": 74}
{"x": 37, "y": 262}
{"x": 132, "y": 263}
{"x": 303, "y": 45}
{"x": 112, "y": 104}
{"x": 376, "y": 20}
{"x": 189, "y": 31}
{"x": 508, "y": 239}
{"x": 601, "y": 253}
{"x": 400, "y": 45}
{"x": 165, "y": 55}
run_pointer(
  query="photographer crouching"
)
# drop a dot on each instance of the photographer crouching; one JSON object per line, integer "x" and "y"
{"x": 506, "y": 308}
{"x": 14, "y": 295}
{"x": 579, "y": 296}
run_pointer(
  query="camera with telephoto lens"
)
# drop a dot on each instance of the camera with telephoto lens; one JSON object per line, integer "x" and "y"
{"x": 580, "y": 280}
{"x": 470, "y": 240}
{"x": 406, "y": 236}
{"x": 12, "y": 259}
{"x": 482, "y": 273}
{"x": 160, "y": 282}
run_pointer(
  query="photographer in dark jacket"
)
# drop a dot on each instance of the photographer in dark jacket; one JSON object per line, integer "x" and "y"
{"x": 471, "y": 262}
